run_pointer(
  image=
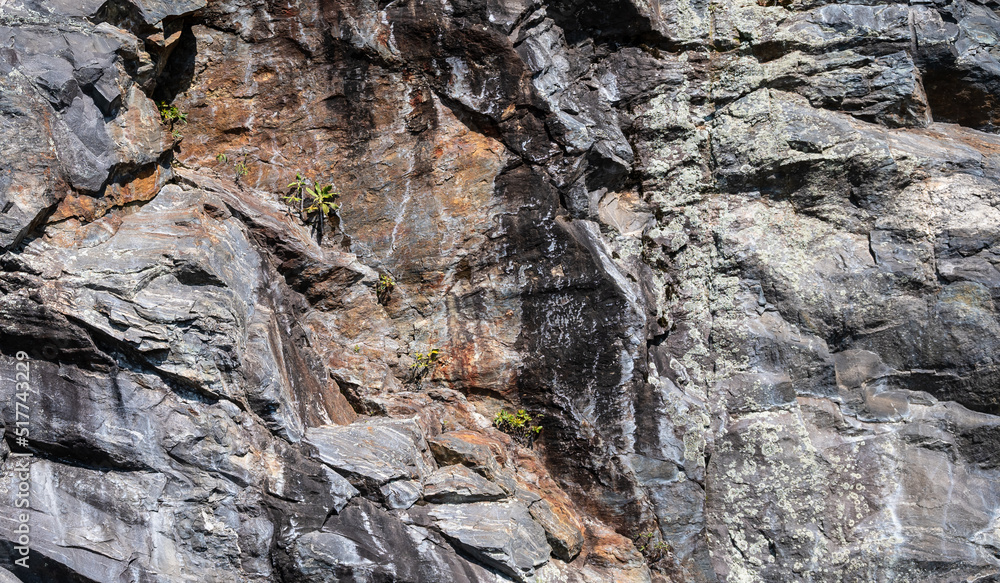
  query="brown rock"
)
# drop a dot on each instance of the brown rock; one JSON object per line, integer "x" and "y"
{"x": 469, "y": 448}
{"x": 561, "y": 529}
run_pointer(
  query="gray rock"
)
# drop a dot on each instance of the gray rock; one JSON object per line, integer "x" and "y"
{"x": 471, "y": 450}
{"x": 153, "y": 11}
{"x": 457, "y": 447}
{"x": 73, "y": 88}
{"x": 365, "y": 543}
{"x": 565, "y": 537}
{"x": 886, "y": 90}
{"x": 457, "y": 484}
{"x": 373, "y": 452}
{"x": 500, "y": 534}
{"x": 305, "y": 493}
{"x": 198, "y": 315}
{"x": 401, "y": 494}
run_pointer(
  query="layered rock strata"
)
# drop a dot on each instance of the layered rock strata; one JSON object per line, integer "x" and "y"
{"x": 735, "y": 258}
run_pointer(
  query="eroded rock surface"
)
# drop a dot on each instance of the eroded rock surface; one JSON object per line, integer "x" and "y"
{"x": 738, "y": 259}
{"x": 454, "y": 484}
{"x": 501, "y": 534}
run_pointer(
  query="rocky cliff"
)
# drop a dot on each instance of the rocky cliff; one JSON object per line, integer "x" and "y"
{"x": 737, "y": 259}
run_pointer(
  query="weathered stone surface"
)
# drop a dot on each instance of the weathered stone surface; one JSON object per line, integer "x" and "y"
{"x": 401, "y": 494}
{"x": 741, "y": 256}
{"x": 199, "y": 314}
{"x": 373, "y": 452}
{"x": 468, "y": 448}
{"x": 562, "y": 531}
{"x": 457, "y": 484}
{"x": 304, "y": 493}
{"x": 79, "y": 122}
{"x": 365, "y": 543}
{"x": 501, "y": 534}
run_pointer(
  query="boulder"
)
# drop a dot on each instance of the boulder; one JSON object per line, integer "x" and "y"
{"x": 457, "y": 484}
{"x": 500, "y": 534}
{"x": 401, "y": 494}
{"x": 366, "y": 543}
{"x": 373, "y": 452}
{"x": 562, "y": 530}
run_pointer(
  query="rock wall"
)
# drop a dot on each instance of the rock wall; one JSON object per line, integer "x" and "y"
{"x": 736, "y": 258}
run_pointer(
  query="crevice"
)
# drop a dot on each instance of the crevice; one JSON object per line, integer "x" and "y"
{"x": 80, "y": 454}
{"x": 954, "y": 97}
{"x": 177, "y": 73}
{"x": 42, "y": 569}
{"x": 127, "y": 357}
{"x": 871, "y": 250}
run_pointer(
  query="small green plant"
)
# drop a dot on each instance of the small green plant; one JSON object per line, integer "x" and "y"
{"x": 176, "y": 135}
{"x": 357, "y": 349}
{"x": 321, "y": 205}
{"x": 384, "y": 287}
{"x": 298, "y": 189}
{"x": 170, "y": 114}
{"x": 242, "y": 168}
{"x": 424, "y": 364}
{"x": 652, "y": 550}
{"x": 320, "y": 199}
{"x": 521, "y": 425}
{"x": 221, "y": 158}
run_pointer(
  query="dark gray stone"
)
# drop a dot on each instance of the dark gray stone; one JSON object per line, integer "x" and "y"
{"x": 500, "y": 534}
{"x": 373, "y": 452}
{"x": 457, "y": 484}
{"x": 366, "y": 544}
{"x": 401, "y": 494}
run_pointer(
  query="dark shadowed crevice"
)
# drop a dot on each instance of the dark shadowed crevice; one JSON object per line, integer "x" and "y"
{"x": 123, "y": 14}
{"x": 178, "y": 72}
{"x": 42, "y": 569}
{"x": 615, "y": 21}
{"x": 954, "y": 98}
{"x": 82, "y": 454}
{"x": 42, "y": 332}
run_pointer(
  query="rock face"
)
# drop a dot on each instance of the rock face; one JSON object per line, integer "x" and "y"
{"x": 454, "y": 484}
{"x": 737, "y": 259}
{"x": 501, "y": 535}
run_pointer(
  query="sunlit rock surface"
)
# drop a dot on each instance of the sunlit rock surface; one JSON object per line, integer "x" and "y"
{"x": 736, "y": 258}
